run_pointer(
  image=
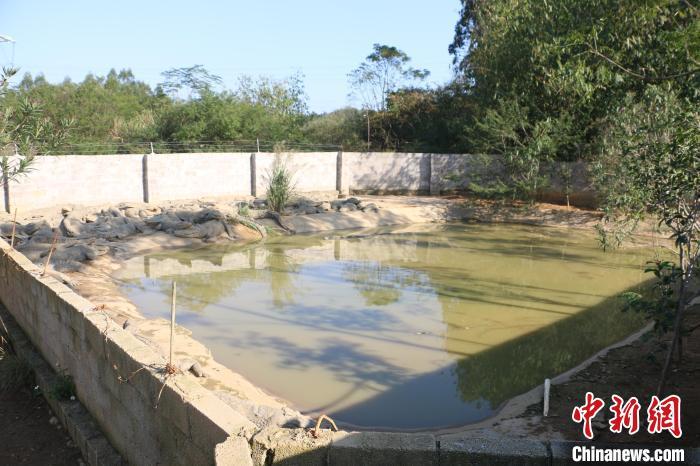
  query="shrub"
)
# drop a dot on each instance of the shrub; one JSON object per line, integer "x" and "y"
{"x": 280, "y": 187}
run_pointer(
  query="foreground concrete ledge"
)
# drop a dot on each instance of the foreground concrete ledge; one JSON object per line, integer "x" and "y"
{"x": 382, "y": 448}
{"x": 459, "y": 449}
{"x": 79, "y": 424}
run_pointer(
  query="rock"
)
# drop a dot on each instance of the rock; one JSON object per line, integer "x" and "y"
{"x": 371, "y": 207}
{"x": 112, "y": 228}
{"x": 33, "y": 227}
{"x": 66, "y": 210}
{"x": 337, "y": 204}
{"x": 131, "y": 212}
{"x": 73, "y": 253}
{"x": 258, "y": 204}
{"x": 348, "y": 207}
{"x": 114, "y": 212}
{"x": 71, "y": 226}
{"x": 167, "y": 222}
{"x": 144, "y": 213}
{"x": 90, "y": 218}
{"x": 53, "y": 420}
{"x": 43, "y": 236}
{"x": 352, "y": 200}
{"x": 197, "y": 370}
{"x": 207, "y": 215}
{"x": 324, "y": 206}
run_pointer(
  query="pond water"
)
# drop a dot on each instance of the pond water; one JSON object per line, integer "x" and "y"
{"x": 398, "y": 328}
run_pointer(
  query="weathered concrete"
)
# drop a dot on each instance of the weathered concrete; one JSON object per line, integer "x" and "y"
{"x": 78, "y": 179}
{"x": 101, "y": 179}
{"x": 191, "y": 176}
{"x": 78, "y": 422}
{"x": 383, "y": 448}
{"x": 147, "y": 417}
{"x": 459, "y": 449}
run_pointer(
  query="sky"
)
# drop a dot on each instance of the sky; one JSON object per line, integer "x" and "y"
{"x": 322, "y": 39}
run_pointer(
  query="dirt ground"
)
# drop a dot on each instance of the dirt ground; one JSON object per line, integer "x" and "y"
{"x": 628, "y": 371}
{"x": 29, "y": 432}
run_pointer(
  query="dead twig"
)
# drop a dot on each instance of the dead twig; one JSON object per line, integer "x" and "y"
{"x": 48, "y": 257}
{"x": 315, "y": 430}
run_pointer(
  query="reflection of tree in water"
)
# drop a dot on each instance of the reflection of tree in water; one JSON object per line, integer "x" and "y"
{"x": 281, "y": 271}
{"x": 381, "y": 285}
{"x": 516, "y": 366}
{"x": 196, "y": 291}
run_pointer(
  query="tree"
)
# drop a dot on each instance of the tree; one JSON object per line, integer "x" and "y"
{"x": 383, "y": 72}
{"x": 24, "y": 132}
{"x": 545, "y": 75}
{"x": 650, "y": 167}
{"x": 196, "y": 79}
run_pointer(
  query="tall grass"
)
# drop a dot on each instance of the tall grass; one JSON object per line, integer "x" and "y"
{"x": 280, "y": 186}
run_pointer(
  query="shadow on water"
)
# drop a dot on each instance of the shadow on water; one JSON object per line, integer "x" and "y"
{"x": 489, "y": 378}
{"x": 492, "y": 332}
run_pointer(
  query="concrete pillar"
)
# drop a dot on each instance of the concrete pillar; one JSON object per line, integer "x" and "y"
{"x": 253, "y": 176}
{"x": 435, "y": 181}
{"x": 341, "y": 184}
{"x": 144, "y": 178}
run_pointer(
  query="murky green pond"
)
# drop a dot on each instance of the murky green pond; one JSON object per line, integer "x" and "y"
{"x": 410, "y": 327}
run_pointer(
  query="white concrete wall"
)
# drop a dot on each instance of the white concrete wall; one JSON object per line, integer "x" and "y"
{"x": 79, "y": 179}
{"x": 386, "y": 171}
{"x": 193, "y": 176}
{"x": 110, "y": 179}
{"x": 311, "y": 171}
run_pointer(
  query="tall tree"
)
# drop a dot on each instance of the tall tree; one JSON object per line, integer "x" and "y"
{"x": 383, "y": 72}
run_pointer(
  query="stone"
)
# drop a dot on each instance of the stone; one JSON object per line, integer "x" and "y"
{"x": 324, "y": 206}
{"x": 371, "y": 207}
{"x": 348, "y": 207}
{"x": 353, "y": 200}
{"x": 33, "y": 227}
{"x": 131, "y": 212}
{"x": 207, "y": 215}
{"x": 337, "y": 204}
{"x": 167, "y": 222}
{"x": 258, "y": 204}
{"x": 234, "y": 451}
{"x": 66, "y": 210}
{"x": 71, "y": 226}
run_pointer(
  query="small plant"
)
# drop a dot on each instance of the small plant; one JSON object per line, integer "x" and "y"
{"x": 280, "y": 186}
{"x": 63, "y": 388}
{"x": 244, "y": 210}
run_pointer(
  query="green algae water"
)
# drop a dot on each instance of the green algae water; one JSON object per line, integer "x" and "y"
{"x": 414, "y": 327}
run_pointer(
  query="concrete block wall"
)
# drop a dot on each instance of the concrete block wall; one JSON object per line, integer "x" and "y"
{"x": 109, "y": 179}
{"x": 78, "y": 179}
{"x": 117, "y": 377}
{"x": 311, "y": 171}
{"x": 192, "y": 176}
{"x": 386, "y": 172}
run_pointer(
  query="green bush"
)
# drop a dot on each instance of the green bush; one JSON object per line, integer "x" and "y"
{"x": 280, "y": 187}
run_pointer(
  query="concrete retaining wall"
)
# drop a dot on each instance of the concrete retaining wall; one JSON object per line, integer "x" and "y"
{"x": 192, "y": 176}
{"x": 110, "y": 179}
{"x": 387, "y": 172}
{"x": 117, "y": 377}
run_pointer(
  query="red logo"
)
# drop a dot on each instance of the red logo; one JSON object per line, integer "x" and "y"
{"x": 662, "y": 415}
{"x": 625, "y": 415}
{"x": 587, "y": 412}
{"x": 665, "y": 415}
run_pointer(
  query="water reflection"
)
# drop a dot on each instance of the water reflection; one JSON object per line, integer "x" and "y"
{"x": 407, "y": 327}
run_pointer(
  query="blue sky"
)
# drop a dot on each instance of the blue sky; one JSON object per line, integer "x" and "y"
{"x": 324, "y": 40}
